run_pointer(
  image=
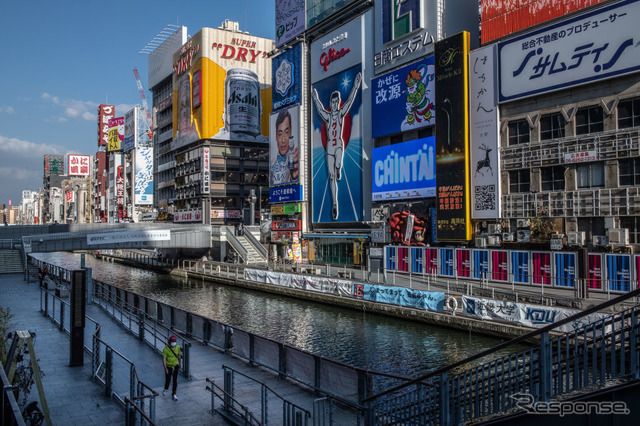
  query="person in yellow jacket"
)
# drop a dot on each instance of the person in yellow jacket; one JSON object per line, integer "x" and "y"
{"x": 171, "y": 359}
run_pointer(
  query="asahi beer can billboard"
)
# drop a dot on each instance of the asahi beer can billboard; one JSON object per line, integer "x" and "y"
{"x": 215, "y": 62}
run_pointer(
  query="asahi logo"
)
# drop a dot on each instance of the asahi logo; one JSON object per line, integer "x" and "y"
{"x": 243, "y": 99}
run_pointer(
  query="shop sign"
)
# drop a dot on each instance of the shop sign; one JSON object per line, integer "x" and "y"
{"x": 580, "y": 157}
{"x": 285, "y": 209}
{"x": 284, "y": 194}
{"x": 188, "y": 216}
{"x": 288, "y": 225}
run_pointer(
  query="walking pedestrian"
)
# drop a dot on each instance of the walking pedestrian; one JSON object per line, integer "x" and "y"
{"x": 171, "y": 359}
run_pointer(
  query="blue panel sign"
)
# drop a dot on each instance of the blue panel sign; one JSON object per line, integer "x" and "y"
{"x": 285, "y": 194}
{"x": 565, "y": 269}
{"x": 446, "y": 262}
{"x": 390, "y": 254}
{"x": 619, "y": 272}
{"x": 287, "y": 79}
{"x": 520, "y": 266}
{"x": 417, "y": 260}
{"x": 404, "y": 99}
{"x": 480, "y": 264}
{"x": 404, "y": 170}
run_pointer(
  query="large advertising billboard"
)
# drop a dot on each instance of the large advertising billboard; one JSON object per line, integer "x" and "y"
{"x": 221, "y": 88}
{"x": 403, "y": 99}
{"x": 452, "y": 138}
{"x": 143, "y": 181}
{"x": 484, "y": 132}
{"x": 78, "y": 165}
{"x": 404, "y": 170}
{"x": 290, "y": 20}
{"x": 116, "y": 134}
{"x": 337, "y": 142}
{"x": 105, "y": 113}
{"x": 160, "y": 60}
{"x": 500, "y": 18}
{"x": 583, "y": 49}
{"x": 287, "y": 78}
{"x": 284, "y": 147}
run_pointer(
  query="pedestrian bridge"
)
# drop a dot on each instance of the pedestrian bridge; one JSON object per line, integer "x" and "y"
{"x": 101, "y": 236}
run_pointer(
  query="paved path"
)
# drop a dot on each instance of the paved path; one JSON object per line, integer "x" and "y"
{"x": 74, "y": 399}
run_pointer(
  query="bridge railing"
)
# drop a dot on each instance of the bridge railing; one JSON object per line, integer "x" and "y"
{"x": 585, "y": 359}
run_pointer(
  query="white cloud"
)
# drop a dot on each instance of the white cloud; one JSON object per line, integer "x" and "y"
{"x": 8, "y": 110}
{"x": 25, "y": 149}
{"x": 73, "y": 109}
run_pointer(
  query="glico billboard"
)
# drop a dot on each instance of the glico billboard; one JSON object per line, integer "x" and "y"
{"x": 221, "y": 88}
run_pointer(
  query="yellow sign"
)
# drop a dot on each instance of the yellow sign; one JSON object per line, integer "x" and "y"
{"x": 113, "y": 140}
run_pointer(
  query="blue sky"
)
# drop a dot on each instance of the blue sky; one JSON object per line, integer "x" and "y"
{"x": 61, "y": 59}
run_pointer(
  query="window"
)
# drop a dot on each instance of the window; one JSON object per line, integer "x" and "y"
{"x": 632, "y": 223}
{"x": 552, "y": 126}
{"x": 589, "y": 120}
{"x": 518, "y": 132}
{"x": 629, "y": 171}
{"x": 629, "y": 113}
{"x": 591, "y": 175}
{"x": 519, "y": 181}
{"x": 552, "y": 178}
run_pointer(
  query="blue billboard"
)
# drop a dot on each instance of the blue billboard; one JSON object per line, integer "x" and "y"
{"x": 404, "y": 99}
{"x": 404, "y": 170}
{"x": 287, "y": 78}
{"x": 285, "y": 194}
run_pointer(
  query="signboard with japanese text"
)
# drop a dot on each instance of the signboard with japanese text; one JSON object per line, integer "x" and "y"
{"x": 581, "y": 157}
{"x": 285, "y": 209}
{"x": 225, "y": 214}
{"x": 143, "y": 180}
{"x": 120, "y": 186}
{"x": 599, "y": 44}
{"x": 287, "y": 78}
{"x": 484, "y": 132}
{"x": 285, "y": 194}
{"x": 404, "y": 170}
{"x": 290, "y": 20}
{"x": 187, "y": 216}
{"x": 287, "y": 235}
{"x": 78, "y": 165}
{"x": 105, "y": 113}
{"x": 206, "y": 170}
{"x": 404, "y": 99}
{"x": 452, "y": 138}
{"x": 116, "y": 134}
{"x": 161, "y": 61}
{"x": 221, "y": 88}
{"x": 70, "y": 196}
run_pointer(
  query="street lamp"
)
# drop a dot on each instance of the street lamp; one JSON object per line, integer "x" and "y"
{"x": 252, "y": 211}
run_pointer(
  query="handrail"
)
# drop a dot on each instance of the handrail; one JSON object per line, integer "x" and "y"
{"x": 226, "y": 397}
{"x": 262, "y": 251}
{"x": 514, "y": 341}
{"x": 8, "y": 396}
{"x": 128, "y": 402}
{"x": 235, "y": 243}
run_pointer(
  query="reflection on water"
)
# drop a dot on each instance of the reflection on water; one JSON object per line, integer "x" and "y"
{"x": 366, "y": 340}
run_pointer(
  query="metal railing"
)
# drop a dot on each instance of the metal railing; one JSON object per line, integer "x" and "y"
{"x": 236, "y": 244}
{"x": 230, "y": 407}
{"x": 9, "y": 410}
{"x": 583, "y": 360}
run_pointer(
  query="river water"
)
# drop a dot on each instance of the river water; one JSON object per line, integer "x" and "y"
{"x": 361, "y": 339}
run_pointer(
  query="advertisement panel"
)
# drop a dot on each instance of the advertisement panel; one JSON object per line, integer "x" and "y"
{"x": 116, "y": 134}
{"x": 520, "y": 267}
{"x": 431, "y": 261}
{"x": 78, "y": 165}
{"x": 404, "y": 170}
{"x": 446, "y": 262}
{"x": 221, "y": 88}
{"x": 390, "y": 254}
{"x": 565, "y": 269}
{"x": 285, "y": 194}
{"x": 206, "y": 170}
{"x": 143, "y": 180}
{"x": 484, "y": 132}
{"x": 287, "y": 78}
{"x": 286, "y": 225}
{"x": 417, "y": 259}
{"x": 70, "y": 196}
{"x": 480, "y": 264}
{"x": 284, "y": 147}
{"x": 404, "y": 99}
{"x": 594, "y": 277}
{"x": 452, "y": 138}
{"x": 500, "y": 18}
{"x": 285, "y": 209}
{"x": 541, "y": 262}
{"x": 499, "y": 265}
{"x": 618, "y": 272}
{"x": 589, "y": 47}
{"x": 120, "y": 186}
{"x": 187, "y": 216}
{"x": 105, "y": 113}
{"x": 225, "y": 214}
{"x": 463, "y": 263}
{"x": 129, "y": 140}
{"x": 290, "y": 20}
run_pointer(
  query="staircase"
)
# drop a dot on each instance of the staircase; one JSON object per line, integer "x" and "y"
{"x": 253, "y": 257}
{"x": 10, "y": 262}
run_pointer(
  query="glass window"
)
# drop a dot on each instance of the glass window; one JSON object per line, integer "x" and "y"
{"x": 589, "y": 120}
{"x": 552, "y": 178}
{"x": 633, "y": 225}
{"x": 591, "y": 175}
{"x": 519, "y": 181}
{"x": 629, "y": 171}
{"x": 518, "y": 132}
{"x": 552, "y": 126}
{"x": 629, "y": 113}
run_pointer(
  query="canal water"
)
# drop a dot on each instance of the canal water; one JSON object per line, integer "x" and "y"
{"x": 361, "y": 339}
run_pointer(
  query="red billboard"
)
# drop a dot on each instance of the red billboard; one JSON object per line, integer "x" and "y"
{"x": 105, "y": 113}
{"x": 503, "y": 17}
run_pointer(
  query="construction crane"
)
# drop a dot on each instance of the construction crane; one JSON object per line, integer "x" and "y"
{"x": 147, "y": 119}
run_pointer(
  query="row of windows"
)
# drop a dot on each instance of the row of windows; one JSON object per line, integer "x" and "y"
{"x": 587, "y": 120}
{"x": 589, "y": 175}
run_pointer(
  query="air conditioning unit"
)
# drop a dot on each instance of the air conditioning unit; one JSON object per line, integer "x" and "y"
{"x": 507, "y": 236}
{"x": 493, "y": 228}
{"x": 576, "y": 238}
{"x": 481, "y": 242}
{"x": 619, "y": 236}
{"x": 493, "y": 240}
{"x": 600, "y": 240}
{"x": 523, "y": 223}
